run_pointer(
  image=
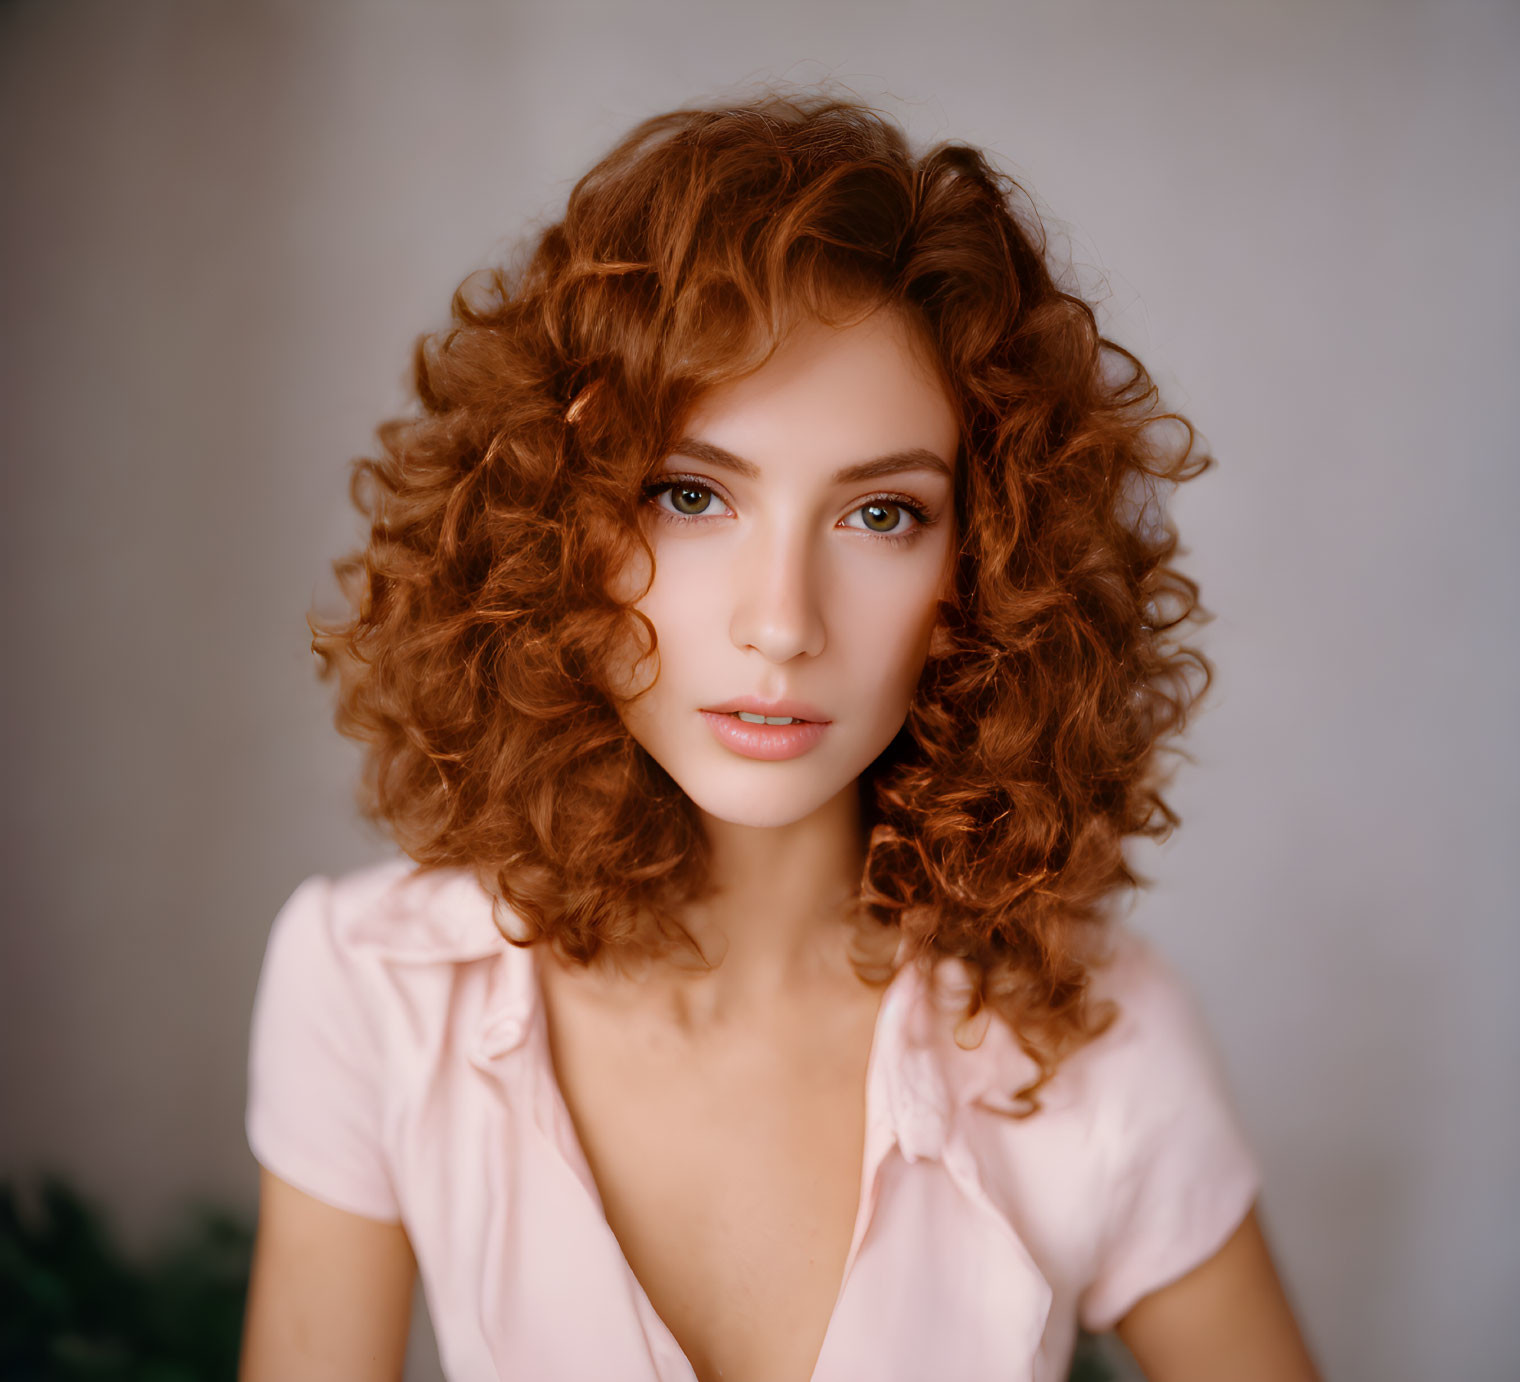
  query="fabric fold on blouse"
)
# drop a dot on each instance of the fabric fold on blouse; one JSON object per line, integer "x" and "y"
{"x": 400, "y": 1068}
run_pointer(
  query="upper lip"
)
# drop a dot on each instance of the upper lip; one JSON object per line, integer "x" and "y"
{"x": 797, "y": 710}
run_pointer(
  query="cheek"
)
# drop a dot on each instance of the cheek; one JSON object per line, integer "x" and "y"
{"x": 685, "y": 610}
{"x": 631, "y": 577}
{"x": 885, "y": 635}
{"x": 670, "y": 600}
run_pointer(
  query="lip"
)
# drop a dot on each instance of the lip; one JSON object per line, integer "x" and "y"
{"x": 771, "y": 743}
{"x": 797, "y": 710}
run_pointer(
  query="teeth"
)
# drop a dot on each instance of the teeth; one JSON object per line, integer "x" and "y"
{"x": 764, "y": 719}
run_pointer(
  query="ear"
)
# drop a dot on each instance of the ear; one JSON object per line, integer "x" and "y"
{"x": 940, "y": 642}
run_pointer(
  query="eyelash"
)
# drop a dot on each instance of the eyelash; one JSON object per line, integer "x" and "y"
{"x": 920, "y": 516}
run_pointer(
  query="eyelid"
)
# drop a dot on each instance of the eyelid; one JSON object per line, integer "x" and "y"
{"x": 916, "y": 509}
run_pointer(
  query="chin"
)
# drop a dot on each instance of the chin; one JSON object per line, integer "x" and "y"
{"x": 764, "y": 806}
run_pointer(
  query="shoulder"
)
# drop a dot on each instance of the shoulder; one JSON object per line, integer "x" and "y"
{"x": 1158, "y": 1048}
{"x": 1180, "y": 1168}
{"x": 352, "y": 961}
{"x": 412, "y": 915}
{"x": 1154, "y": 1003}
{"x": 367, "y": 978}
{"x": 1136, "y": 1165}
{"x": 1149, "y": 1092}
{"x": 390, "y": 913}
{"x": 1156, "y": 1034}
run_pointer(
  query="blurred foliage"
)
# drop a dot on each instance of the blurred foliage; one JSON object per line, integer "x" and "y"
{"x": 73, "y": 1309}
{"x": 1089, "y": 1363}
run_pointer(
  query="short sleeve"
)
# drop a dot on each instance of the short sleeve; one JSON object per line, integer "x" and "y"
{"x": 1182, "y": 1175}
{"x": 315, "y": 1094}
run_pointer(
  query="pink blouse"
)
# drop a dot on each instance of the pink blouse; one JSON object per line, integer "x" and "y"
{"x": 399, "y": 1068}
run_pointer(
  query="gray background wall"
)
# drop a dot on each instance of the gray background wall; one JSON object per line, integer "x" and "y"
{"x": 223, "y": 227}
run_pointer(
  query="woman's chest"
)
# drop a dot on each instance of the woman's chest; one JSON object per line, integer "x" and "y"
{"x": 603, "y": 1209}
{"x": 732, "y": 1183}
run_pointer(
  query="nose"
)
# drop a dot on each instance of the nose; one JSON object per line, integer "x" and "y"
{"x": 776, "y": 601}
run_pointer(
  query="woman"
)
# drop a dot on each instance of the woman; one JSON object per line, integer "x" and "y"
{"x": 763, "y": 646}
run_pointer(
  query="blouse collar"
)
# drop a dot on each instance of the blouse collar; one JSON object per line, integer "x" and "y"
{"x": 919, "y": 1078}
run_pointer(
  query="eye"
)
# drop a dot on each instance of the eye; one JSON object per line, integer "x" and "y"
{"x": 890, "y": 517}
{"x": 884, "y": 516}
{"x": 688, "y": 499}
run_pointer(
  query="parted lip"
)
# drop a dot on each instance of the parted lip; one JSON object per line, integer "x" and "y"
{"x": 798, "y": 710}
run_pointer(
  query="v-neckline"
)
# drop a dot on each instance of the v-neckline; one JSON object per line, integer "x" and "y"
{"x": 552, "y": 1115}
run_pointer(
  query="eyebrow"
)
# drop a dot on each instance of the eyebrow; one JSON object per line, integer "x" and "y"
{"x": 895, "y": 462}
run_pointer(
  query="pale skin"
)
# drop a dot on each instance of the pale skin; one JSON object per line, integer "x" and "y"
{"x": 710, "y": 1121}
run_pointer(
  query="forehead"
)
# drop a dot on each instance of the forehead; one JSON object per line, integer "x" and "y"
{"x": 833, "y": 395}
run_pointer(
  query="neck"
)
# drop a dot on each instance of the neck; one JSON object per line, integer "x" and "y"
{"x": 777, "y": 926}
{"x": 780, "y": 910}
{"x": 776, "y": 930}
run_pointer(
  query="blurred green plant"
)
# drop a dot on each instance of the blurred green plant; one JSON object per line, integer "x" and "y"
{"x": 1089, "y": 1363}
{"x": 74, "y": 1309}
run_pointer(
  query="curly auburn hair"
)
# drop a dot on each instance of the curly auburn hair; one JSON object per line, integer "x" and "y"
{"x": 470, "y": 663}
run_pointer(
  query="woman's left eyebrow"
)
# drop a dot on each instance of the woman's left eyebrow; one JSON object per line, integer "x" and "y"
{"x": 893, "y": 463}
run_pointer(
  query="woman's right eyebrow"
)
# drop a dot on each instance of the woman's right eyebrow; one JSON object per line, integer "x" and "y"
{"x": 893, "y": 463}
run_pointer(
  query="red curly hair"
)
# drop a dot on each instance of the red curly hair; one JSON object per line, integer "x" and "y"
{"x": 471, "y": 662}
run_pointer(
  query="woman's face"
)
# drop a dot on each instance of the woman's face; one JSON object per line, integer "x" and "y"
{"x": 803, "y": 533}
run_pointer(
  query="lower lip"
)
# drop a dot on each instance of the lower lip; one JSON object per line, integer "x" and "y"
{"x": 771, "y": 742}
